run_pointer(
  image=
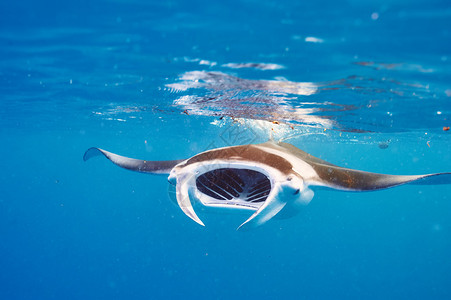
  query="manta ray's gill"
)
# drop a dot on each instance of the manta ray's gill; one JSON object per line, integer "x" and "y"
{"x": 232, "y": 183}
{"x": 252, "y": 153}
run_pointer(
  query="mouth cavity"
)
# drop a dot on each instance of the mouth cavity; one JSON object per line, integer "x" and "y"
{"x": 227, "y": 184}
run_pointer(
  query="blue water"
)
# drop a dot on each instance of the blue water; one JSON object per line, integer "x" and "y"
{"x": 364, "y": 85}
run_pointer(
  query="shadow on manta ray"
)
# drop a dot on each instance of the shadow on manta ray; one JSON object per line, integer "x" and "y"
{"x": 263, "y": 178}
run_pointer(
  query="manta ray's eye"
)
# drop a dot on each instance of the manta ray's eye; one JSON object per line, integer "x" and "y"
{"x": 230, "y": 183}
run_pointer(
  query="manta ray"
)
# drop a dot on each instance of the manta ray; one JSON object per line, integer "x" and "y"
{"x": 264, "y": 178}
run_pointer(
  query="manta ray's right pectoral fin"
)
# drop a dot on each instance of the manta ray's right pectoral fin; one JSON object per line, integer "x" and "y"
{"x": 138, "y": 165}
{"x": 354, "y": 180}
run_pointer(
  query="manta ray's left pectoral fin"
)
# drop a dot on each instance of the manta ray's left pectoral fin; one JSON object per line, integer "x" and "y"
{"x": 133, "y": 164}
{"x": 430, "y": 179}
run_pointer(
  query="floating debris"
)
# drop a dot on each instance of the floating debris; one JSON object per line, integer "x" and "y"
{"x": 383, "y": 145}
{"x": 259, "y": 66}
{"x": 312, "y": 39}
{"x": 213, "y": 93}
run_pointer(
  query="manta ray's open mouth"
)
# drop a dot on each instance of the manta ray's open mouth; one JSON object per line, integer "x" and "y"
{"x": 229, "y": 183}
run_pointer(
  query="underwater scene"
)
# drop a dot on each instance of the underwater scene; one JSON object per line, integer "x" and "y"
{"x": 261, "y": 140}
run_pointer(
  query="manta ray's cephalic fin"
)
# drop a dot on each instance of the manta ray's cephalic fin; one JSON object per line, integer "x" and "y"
{"x": 268, "y": 210}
